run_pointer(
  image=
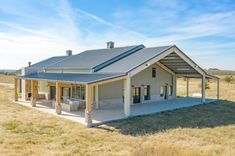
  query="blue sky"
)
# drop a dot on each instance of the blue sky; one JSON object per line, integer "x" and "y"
{"x": 35, "y": 30}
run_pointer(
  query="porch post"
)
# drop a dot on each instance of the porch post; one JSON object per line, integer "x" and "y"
{"x": 127, "y": 96}
{"x": 187, "y": 90}
{"x": 58, "y": 98}
{"x": 175, "y": 86}
{"x": 97, "y": 97}
{"x": 34, "y": 90}
{"x": 203, "y": 88}
{"x": 16, "y": 89}
{"x": 142, "y": 94}
{"x": 218, "y": 88}
{"x": 88, "y": 110}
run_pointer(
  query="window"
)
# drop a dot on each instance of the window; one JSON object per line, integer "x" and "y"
{"x": 161, "y": 91}
{"x": 170, "y": 90}
{"x": 153, "y": 72}
{"x": 83, "y": 93}
{"x": 147, "y": 92}
{"x": 78, "y": 92}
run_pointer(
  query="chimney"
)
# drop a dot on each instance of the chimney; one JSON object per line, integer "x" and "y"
{"x": 110, "y": 44}
{"x": 29, "y": 63}
{"x": 69, "y": 52}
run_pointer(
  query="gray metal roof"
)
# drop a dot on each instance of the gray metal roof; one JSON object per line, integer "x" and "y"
{"x": 91, "y": 58}
{"x": 108, "y": 64}
{"x": 128, "y": 63}
{"x": 76, "y": 78}
{"x": 50, "y": 61}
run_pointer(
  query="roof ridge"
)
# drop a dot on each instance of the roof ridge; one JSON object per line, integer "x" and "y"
{"x": 112, "y": 48}
{"x": 66, "y": 57}
{"x": 171, "y": 45}
{"x": 118, "y": 57}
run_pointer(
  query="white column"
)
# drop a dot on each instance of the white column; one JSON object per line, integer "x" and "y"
{"x": 97, "y": 97}
{"x": 175, "y": 86}
{"x": 23, "y": 85}
{"x": 203, "y": 88}
{"x": 187, "y": 89}
{"x": 127, "y": 96}
{"x": 218, "y": 88}
{"x": 141, "y": 94}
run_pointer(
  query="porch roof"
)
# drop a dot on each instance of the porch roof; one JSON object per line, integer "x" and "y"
{"x": 83, "y": 78}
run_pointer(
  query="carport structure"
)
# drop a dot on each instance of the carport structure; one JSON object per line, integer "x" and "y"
{"x": 122, "y": 67}
{"x": 182, "y": 66}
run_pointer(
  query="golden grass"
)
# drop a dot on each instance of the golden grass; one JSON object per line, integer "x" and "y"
{"x": 227, "y": 91}
{"x": 6, "y": 78}
{"x": 199, "y": 130}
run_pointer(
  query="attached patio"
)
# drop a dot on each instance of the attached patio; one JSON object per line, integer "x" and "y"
{"x": 116, "y": 113}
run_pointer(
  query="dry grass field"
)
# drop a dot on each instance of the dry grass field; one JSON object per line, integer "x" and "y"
{"x": 199, "y": 130}
{"x": 227, "y": 90}
{"x": 6, "y": 79}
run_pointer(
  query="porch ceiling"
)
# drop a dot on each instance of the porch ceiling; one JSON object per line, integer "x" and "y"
{"x": 176, "y": 64}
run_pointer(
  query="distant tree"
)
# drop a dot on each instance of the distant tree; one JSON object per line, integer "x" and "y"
{"x": 207, "y": 85}
{"x": 228, "y": 79}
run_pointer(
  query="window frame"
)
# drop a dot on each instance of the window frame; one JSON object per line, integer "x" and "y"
{"x": 78, "y": 92}
{"x": 154, "y": 72}
{"x": 170, "y": 90}
{"x": 147, "y": 92}
{"x": 161, "y": 91}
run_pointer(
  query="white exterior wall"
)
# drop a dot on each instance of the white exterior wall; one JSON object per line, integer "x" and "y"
{"x": 43, "y": 89}
{"x": 111, "y": 94}
{"x": 145, "y": 78}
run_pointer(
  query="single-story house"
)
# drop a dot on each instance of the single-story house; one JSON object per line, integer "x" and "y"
{"x": 108, "y": 78}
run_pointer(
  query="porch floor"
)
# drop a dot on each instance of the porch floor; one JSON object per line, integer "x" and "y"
{"x": 103, "y": 115}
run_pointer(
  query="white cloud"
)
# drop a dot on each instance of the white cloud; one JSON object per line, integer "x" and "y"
{"x": 36, "y": 36}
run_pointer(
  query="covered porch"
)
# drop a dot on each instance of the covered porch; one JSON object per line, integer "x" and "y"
{"x": 85, "y": 101}
{"x": 116, "y": 113}
{"x": 91, "y": 114}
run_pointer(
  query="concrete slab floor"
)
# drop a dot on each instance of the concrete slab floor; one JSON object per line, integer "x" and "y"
{"x": 103, "y": 115}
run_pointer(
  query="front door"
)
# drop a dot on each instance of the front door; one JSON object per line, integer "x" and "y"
{"x": 136, "y": 95}
{"x": 166, "y": 92}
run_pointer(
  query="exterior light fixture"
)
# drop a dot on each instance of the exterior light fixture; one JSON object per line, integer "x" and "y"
{"x": 147, "y": 64}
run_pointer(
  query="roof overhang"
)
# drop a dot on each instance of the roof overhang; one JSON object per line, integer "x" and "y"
{"x": 83, "y": 78}
{"x": 208, "y": 76}
{"x": 176, "y": 62}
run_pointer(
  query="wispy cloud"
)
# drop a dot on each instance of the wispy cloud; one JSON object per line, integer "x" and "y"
{"x": 28, "y": 31}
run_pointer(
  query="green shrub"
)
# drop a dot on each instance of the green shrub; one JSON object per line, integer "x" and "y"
{"x": 228, "y": 79}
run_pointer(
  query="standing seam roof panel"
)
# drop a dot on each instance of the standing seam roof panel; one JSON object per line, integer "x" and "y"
{"x": 91, "y": 58}
{"x": 134, "y": 60}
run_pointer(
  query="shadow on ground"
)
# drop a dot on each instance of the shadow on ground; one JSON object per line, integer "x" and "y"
{"x": 220, "y": 113}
